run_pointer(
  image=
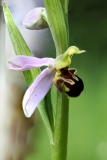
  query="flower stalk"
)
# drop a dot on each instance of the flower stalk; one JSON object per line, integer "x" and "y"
{"x": 59, "y": 30}
{"x": 59, "y": 147}
{"x": 57, "y": 25}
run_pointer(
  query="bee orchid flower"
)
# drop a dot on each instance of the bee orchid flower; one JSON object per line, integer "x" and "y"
{"x": 57, "y": 72}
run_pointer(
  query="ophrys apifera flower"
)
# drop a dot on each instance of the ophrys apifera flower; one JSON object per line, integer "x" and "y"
{"x": 57, "y": 73}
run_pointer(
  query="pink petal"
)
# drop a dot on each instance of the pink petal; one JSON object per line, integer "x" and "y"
{"x": 22, "y": 63}
{"x": 37, "y": 91}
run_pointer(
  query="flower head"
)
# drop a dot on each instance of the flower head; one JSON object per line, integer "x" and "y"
{"x": 57, "y": 72}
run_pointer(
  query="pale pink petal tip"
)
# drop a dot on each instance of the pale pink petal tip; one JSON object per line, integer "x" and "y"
{"x": 37, "y": 91}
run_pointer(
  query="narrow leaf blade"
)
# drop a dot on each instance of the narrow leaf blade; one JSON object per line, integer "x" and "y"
{"x": 21, "y": 48}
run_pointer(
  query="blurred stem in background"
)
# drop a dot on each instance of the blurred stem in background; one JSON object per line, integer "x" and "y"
{"x": 2, "y": 81}
{"x": 2, "y": 50}
{"x": 14, "y": 127}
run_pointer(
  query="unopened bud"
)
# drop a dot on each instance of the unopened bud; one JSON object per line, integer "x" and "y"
{"x": 35, "y": 19}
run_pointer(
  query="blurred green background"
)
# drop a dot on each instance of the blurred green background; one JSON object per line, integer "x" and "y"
{"x": 87, "y": 137}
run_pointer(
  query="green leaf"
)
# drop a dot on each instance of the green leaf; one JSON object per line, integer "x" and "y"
{"x": 21, "y": 48}
{"x": 19, "y": 44}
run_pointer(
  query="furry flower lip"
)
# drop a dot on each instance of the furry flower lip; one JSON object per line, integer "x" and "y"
{"x": 65, "y": 78}
{"x": 56, "y": 73}
{"x": 68, "y": 81}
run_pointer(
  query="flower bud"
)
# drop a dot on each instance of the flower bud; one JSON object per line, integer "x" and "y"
{"x": 35, "y": 19}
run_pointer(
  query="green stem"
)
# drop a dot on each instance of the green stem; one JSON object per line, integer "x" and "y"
{"x": 64, "y": 4}
{"x": 59, "y": 148}
{"x": 58, "y": 24}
